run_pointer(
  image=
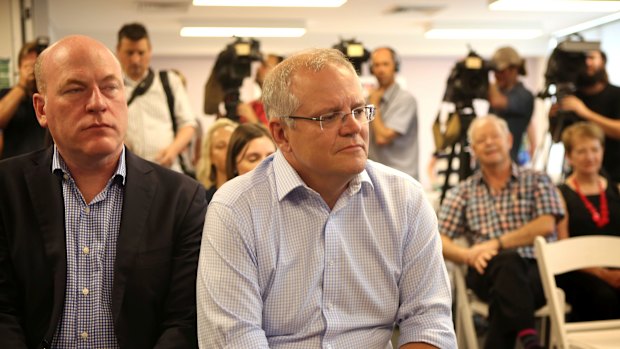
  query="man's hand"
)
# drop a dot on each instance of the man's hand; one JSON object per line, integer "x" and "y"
{"x": 166, "y": 156}
{"x": 574, "y": 104}
{"x": 26, "y": 76}
{"x": 247, "y": 112}
{"x": 479, "y": 255}
{"x": 375, "y": 96}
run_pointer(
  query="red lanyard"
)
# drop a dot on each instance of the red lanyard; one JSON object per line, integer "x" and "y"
{"x": 600, "y": 219}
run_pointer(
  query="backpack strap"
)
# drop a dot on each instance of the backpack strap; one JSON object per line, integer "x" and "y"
{"x": 163, "y": 76}
{"x": 142, "y": 87}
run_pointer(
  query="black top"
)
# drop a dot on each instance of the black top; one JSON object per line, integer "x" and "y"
{"x": 210, "y": 192}
{"x": 23, "y": 133}
{"x": 580, "y": 221}
{"x": 607, "y": 103}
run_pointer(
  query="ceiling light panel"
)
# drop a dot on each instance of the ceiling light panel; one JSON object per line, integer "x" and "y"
{"x": 482, "y": 33}
{"x": 271, "y": 3}
{"x": 256, "y": 32}
{"x": 555, "y": 5}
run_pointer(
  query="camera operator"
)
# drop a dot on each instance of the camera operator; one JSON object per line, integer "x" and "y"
{"x": 598, "y": 101}
{"x": 509, "y": 99}
{"x": 394, "y": 140}
{"x": 254, "y": 111}
{"x": 21, "y": 130}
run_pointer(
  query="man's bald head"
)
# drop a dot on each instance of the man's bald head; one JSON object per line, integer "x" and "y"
{"x": 70, "y": 45}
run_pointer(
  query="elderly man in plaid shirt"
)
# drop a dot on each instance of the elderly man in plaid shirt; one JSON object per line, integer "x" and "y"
{"x": 500, "y": 210}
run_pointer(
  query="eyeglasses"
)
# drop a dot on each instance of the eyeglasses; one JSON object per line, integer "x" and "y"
{"x": 363, "y": 115}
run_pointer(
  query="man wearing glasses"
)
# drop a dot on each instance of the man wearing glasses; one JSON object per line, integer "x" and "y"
{"x": 319, "y": 247}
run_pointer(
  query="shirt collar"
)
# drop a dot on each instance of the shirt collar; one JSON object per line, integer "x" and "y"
{"x": 390, "y": 92}
{"x": 287, "y": 179}
{"x": 514, "y": 174}
{"x": 59, "y": 165}
{"x": 133, "y": 83}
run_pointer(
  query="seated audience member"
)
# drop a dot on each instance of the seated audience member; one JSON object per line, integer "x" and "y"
{"x": 98, "y": 247}
{"x": 318, "y": 247}
{"x": 249, "y": 145}
{"x": 211, "y": 168}
{"x": 592, "y": 208}
{"x": 500, "y": 209}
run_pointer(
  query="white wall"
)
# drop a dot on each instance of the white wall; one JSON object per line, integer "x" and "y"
{"x": 10, "y": 33}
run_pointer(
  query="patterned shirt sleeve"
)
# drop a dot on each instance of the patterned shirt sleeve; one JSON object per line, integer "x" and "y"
{"x": 452, "y": 213}
{"x": 547, "y": 198}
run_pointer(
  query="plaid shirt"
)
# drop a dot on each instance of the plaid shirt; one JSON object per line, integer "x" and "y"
{"x": 91, "y": 231}
{"x": 470, "y": 210}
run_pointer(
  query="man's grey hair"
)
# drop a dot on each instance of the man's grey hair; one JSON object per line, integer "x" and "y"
{"x": 491, "y": 117}
{"x": 277, "y": 97}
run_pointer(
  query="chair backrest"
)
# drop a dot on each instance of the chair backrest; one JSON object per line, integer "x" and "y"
{"x": 569, "y": 255}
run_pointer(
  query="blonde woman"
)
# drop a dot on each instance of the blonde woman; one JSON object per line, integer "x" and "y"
{"x": 212, "y": 165}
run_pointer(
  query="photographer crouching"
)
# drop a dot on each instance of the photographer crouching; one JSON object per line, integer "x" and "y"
{"x": 597, "y": 101}
{"x": 509, "y": 99}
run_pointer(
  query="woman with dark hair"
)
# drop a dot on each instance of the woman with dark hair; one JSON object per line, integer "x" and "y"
{"x": 592, "y": 206}
{"x": 248, "y": 146}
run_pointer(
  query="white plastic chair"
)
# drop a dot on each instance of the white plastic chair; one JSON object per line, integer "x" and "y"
{"x": 573, "y": 254}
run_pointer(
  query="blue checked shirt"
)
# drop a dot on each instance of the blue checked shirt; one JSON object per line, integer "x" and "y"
{"x": 91, "y": 231}
{"x": 470, "y": 210}
{"x": 279, "y": 269}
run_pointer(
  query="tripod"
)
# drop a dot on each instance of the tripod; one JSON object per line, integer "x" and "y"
{"x": 466, "y": 114}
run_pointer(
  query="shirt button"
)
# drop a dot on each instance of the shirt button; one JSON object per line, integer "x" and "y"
{"x": 86, "y": 250}
{"x": 331, "y": 263}
{"x": 87, "y": 209}
{"x": 329, "y": 346}
{"x": 65, "y": 176}
{"x": 85, "y": 291}
{"x": 84, "y": 335}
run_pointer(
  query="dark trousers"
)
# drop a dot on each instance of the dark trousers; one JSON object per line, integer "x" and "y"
{"x": 590, "y": 297}
{"x": 511, "y": 285}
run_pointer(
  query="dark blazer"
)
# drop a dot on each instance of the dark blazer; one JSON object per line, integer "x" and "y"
{"x": 154, "y": 292}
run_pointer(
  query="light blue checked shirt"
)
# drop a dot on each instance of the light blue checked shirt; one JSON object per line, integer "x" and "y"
{"x": 91, "y": 232}
{"x": 279, "y": 269}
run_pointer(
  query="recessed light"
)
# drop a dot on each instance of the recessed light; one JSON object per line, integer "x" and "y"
{"x": 555, "y": 5}
{"x": 271, "y": 3}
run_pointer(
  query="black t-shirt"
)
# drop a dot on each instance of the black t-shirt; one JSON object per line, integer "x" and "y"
{"x": 23, "y": 133}
{"x": 607, "y": 103}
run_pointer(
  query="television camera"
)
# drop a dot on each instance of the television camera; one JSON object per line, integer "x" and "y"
{"x": 355, "y": 52}
{"x": 233, "y": 65}
{"x": 564, "y": 68}
{"x": 41, "y": 43}
{"x": 468, "y": 80}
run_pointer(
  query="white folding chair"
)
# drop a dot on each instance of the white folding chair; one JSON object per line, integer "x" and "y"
{"x": 573, "y": 254}
{"x": 467, "y": 304}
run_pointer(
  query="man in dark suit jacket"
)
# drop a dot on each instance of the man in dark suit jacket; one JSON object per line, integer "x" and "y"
{"x": 97, "y": 246}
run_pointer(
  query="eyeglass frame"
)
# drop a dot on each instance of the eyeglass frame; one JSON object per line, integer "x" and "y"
{"x": 344, "y": 115}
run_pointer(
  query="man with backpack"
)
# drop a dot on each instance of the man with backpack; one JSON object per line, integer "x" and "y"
{"x": 161, "y": 121}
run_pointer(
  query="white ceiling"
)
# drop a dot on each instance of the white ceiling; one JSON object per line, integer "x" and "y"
{"x": 369, "y": 21}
